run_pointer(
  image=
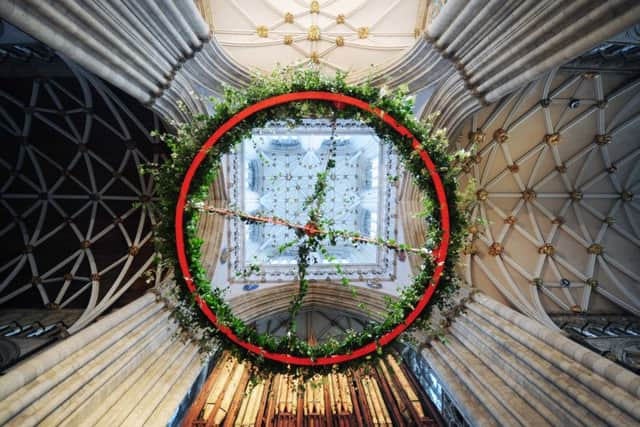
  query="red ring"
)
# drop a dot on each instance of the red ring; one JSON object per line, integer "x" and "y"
{"x": 340, "y": 99}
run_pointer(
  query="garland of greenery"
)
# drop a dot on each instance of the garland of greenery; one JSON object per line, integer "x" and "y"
{"x": 189, "y": 137}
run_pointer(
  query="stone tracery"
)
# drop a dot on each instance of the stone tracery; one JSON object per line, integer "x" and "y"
{"x": 83, "y": 193}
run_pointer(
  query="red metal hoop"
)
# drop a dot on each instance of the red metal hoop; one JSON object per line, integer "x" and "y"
{"x": 341, "y": 100}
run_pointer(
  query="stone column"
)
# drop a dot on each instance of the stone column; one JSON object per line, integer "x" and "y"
{"x": 132, "y": 366}
{"x": 500, "y": 367}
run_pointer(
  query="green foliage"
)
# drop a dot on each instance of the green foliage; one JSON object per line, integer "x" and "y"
{"x": 189, "y": 137}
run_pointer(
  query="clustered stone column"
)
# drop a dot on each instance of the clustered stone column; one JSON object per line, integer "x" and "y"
{"x": 130, "y": 367}
{"x": 502, "y": 368}
{"x": 475, "y": 53}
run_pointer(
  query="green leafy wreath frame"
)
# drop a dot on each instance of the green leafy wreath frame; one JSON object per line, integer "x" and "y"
{"x": 180, "y": 186}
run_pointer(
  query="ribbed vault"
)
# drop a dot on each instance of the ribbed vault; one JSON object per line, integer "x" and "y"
{"x": 557, "y": 179}
{"x": 349, "y": 36}
{"x": 77, "y": 214}
{"x": 552, "y": 115}
{"x": 475, "y": 53}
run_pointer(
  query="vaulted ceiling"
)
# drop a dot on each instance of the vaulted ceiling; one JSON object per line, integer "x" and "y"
{"x": 334, "y": 35}
{"x": 556, "y": 181}
{"x": 76, "y": 216}
{"x": 556, "y": 177}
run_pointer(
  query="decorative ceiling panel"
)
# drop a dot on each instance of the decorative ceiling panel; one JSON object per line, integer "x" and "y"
{"x": 76, "y": 211}
{"x": 557, "y": 176}
{"x": 334, "y": 34}
{"x": 274, "y": 173}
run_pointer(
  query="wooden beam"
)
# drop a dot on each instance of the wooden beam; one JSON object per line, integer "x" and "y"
{"x": 300, "y": 409}
{"x": 237, "y": 397}
{"x": 360, "y": 400}
{"x": 327, "y": 403}
{"x": 263, "y": 401}
{"x": 216, "y": 407}
{"x": 389, "y": 398}
{"x": 273, "y": 395}
{"x": 415, "y": 416}
{"x": 430, "y": 407}
{"x": 198, "y": 404}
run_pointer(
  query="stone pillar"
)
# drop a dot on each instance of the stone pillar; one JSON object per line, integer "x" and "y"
{"x": 131, "y": 366}
{"x": 478, "y": 52}
{"x": 502, "y": 368}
